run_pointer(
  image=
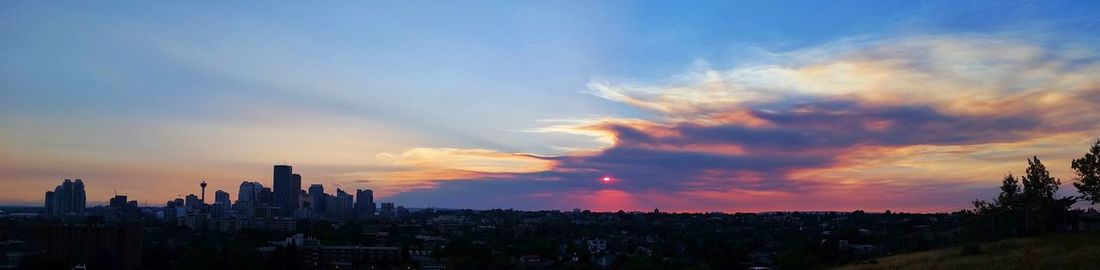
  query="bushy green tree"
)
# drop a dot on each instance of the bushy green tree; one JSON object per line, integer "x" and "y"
{"x": 1087, "y": 181}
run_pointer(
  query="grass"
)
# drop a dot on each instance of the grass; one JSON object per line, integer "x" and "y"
{"x": 1056, "y": 251}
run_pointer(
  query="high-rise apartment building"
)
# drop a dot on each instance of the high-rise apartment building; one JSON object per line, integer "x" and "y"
{"x": 364, "y": 204}
{"x": 66, "y": 199}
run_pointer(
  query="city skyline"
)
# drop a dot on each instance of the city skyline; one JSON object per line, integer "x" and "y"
{"x": 689, "y": 107}
{"x": 75, "y": 192}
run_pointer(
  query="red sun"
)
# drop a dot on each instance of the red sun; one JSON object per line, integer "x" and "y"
{"x": 606, "y": 179}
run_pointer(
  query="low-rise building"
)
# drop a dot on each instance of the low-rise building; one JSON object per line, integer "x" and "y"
{"x": 351, "y": 255}
{"x": 99, "y": 246}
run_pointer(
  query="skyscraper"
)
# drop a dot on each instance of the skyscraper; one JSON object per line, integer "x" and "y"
{"x": 344, "y": 204}
{"x": 364, "y": 206}
{"x": 305, "y": 205}
{"x": 264, "y": 197}
{"x": 79, "y": 198}
{"x": 67, "y": 198}
{"x": 248, "y": 198}
{"x": 295, "y": 193}
{"x": 249, "y": 191}
{"x": 49, "y": 203}
{"x": 317, "y": 198}
{"x": 221, "y": 203}
{"x": 221, "y": 197}
{"x": 332, "y": 212}
{"x": 193, "y": 201}
{"x": 284, "y": 193}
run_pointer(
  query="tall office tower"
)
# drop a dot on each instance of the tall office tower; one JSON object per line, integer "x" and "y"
{"x": 221, "y": 197}
{"x": 221, "y": 203}
{"x": 364, "y": 206}
{"x": 305, "y": 205}
{"x": 344, "y": 204}
{"x": 317, "y": 198}
{"x": 295, "y": 190}
{"x": 331, "y": 212}
{"x": 249, "y": 191}
{"x": 248, "y": 198}
{"x": 283, "y": 190}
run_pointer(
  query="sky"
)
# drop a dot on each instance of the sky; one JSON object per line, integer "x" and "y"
{"x": 686, "y": 106}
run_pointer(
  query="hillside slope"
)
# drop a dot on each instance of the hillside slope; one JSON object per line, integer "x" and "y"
{"x": 1058, "y": 251}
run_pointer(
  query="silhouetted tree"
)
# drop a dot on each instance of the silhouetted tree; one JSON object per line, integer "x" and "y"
{"x": 1039, "y": 186}
{"x": 1010, "y": 192}
{"x": 1032, "y": 206}
{"x": 1038, "y": 196}
{"x": 1009, "y": 199}
{"x": 1087, "y": 181}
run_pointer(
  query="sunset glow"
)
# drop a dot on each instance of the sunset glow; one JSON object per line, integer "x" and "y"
{"x": 679, "y": 106}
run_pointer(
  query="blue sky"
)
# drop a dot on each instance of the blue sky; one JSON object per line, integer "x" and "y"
{"x": 405, "y": 97}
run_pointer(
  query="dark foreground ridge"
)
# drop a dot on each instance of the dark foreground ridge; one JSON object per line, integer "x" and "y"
{"x": 492, "y": 239}
{"x": 1057, "y": 251}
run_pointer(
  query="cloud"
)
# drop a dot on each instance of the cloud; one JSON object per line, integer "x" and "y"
{"x": 423, "y": 168}
{"x": 856, "y": 117}
{"x": 955, "y": 74}
{"x": 479, "y": 160}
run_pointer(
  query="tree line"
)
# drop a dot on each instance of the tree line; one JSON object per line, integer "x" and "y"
{"x": 1030, "y": 203}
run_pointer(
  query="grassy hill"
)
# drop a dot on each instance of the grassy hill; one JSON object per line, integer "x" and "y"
{"x": 1057, "y": 251}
